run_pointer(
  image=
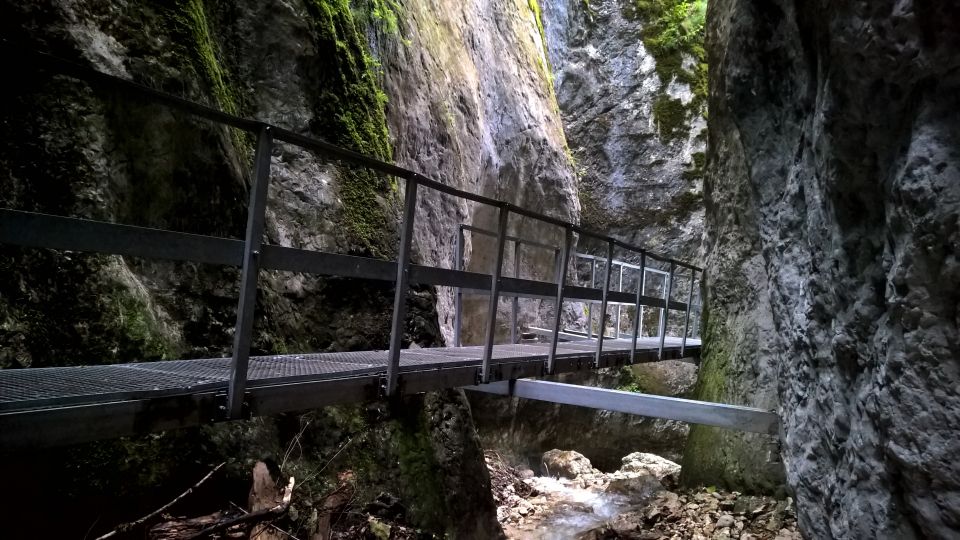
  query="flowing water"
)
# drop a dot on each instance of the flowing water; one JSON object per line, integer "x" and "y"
{"x": 567, "y": 511}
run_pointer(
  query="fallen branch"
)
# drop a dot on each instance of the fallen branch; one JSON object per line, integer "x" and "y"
{"x": 272, "y": 526}
{"x": 252, "y": 517}
{"x": 134, "y": 524}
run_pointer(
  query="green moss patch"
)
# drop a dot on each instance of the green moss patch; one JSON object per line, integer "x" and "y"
{"x": 545, "y": 62}
{"x": 671, "y": 118}
{"x": 192, "y": 32}
{"x": 349, "y": 111}
{"x": 673, "y": 30}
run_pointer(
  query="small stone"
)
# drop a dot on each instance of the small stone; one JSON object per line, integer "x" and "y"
{"x": 725, "y": 520}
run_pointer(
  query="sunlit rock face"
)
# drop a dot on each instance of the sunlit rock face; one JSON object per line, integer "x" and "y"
{"x": 471, "y": 105}
{"x": 635, "y": 127}
{"x": 832, "y": 210}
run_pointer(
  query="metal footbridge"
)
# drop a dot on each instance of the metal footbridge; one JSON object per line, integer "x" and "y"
{"x": 64, "y": 405}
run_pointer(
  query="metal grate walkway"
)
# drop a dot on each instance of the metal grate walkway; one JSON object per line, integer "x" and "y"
{"x": 22, "y": 389}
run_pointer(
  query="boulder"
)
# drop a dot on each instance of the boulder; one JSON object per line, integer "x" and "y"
{"x": 638, "y": 488}
{"x": 566, "y": 463}
{"x": 651, "y": 463}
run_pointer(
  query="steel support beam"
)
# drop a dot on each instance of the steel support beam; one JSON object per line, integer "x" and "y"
{"x": 603, "y": 304}
{"x": 494, "y": 294}
{"x": 616, "y": 333}
{"x": 31, "y": 229}
{"x": 402, "y": 285}
{"x": 515, "y": 303}
{"x": 686, "y": 317}
{"x": 458, "y": 299}
{"x": 638, "y": 314}
{"x": 558, "y": 303}
{"x": 683, "y": 410}
{"x": 665, "y": 314}
{"x": 249, "y": 275}
{"x": 593, "y": 281}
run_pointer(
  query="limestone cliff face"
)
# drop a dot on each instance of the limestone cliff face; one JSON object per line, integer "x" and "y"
{"x": 471, "y": 105}
{"x": 832, "y": 211}
{"x": 456, "y": 91}
{"x": 632, "y": 102}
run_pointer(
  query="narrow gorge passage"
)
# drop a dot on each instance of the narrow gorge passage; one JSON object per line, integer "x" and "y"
{"x": 766, "y": 192}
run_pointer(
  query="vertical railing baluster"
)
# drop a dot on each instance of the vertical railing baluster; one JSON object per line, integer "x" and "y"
{"x": 556, "y": 261}
{"x": 561, "y": 281}
{"x": 494, "y": 295}
{"x": 639, "y": 309}
{"x": 515, "y": 304}
{"x": 247, "y": 304}
{"x": 603, "y": 303}
{"x": 458, "y": 299}
{"x": 664, "y": 316}
{"x": 686, "y": 317}
{"x": 402, "y": 285}
{"x": 616, "y": 332}
{"x": 593, "y": 283}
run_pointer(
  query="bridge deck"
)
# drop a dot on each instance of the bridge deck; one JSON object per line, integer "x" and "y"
{"x": 22, "y": 389}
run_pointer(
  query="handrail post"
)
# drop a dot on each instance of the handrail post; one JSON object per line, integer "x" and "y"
{"x": 563, "y": 262}
{"x": 458, "y": 298}
{"x": 247, "y": 304}
{"x": 402, "y": 285}
{"x": 603, "y": 303}
{"x": 664, "y": 315}
{"x": 638, "y": 314}
{"x": 494, "y": 295}
{"x": 686, "y": 318}
{"x": 616, "y": 332}
{"x": 593, "y": 282}
{"x": 515, "y": 307}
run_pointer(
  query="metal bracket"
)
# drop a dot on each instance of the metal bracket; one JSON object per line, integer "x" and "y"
{"x": 383, "y": 393}
{"x": 774, "y": 450}
{"x": 221, "y": 409}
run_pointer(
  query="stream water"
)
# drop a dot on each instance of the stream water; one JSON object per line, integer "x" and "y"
{"x": 566, "y": 511}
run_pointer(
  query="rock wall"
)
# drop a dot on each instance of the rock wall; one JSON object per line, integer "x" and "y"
{"x": 471, "y": 105}
{"x": 832, "y": 210}
{"x": 633, "y": 105}
{"x": 458, "y": 92}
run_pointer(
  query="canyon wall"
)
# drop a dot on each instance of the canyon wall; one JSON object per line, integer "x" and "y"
{"x": 630, "y": 80}
{"x": 456, "y": 91}
{"x": 833, "y": 197}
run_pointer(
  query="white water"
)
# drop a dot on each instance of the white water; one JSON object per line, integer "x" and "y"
{"x": 571, "y": 510}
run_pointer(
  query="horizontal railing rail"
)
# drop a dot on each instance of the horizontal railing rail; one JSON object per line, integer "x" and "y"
{"x": 67, "y": 233}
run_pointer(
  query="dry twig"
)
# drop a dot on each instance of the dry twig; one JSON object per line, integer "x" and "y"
{"x": 134, "y": 524}
{"x": 252, "y": 517}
